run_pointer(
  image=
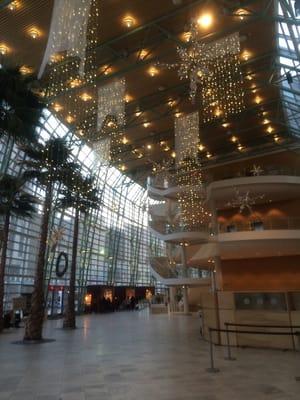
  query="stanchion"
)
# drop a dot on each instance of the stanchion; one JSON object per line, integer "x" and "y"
{"x": 211, "y": 349}
{"x": 229, "y": 357}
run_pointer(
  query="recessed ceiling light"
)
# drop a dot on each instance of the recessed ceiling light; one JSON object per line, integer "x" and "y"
{"x": 205, "y": 20}
{"x": 125, "y": 140}
{"x": 4, "y": 49}
{"x": 14, "y": 5}
{"x": 138, "y": 113}
{"x": 266, "y": 121}
{"x": 225, "y": 124}
{"x": 57, "y": 107}
{"x": 201, "y": 147}
{"x": 234, "y": 139}
{"x": 186, "y": 36}
{"x": 34, "y": 32}
{"x": 128, "y": 98}
{"x": 146, "y": 124}
{"x": 258, "y": 99}
{"x": 70, "y": 119}
{"x": 208, "y": 155}
{"x": 123, "y": 167}
{"x": 85, "y": 96}
{"x": 25, "y": 70}
{"x": 149, "y": 146}
{"x": 143, "y": 54}
{"x": 128, "y": 21}
{"x": 270, "y": 129}
{"x": 246, "y": 55}
{"x": 241, "y": 13}
{"x": 173, "y": 154}
{"x": 152, "y": 71}
{"x": 276, "y": 138}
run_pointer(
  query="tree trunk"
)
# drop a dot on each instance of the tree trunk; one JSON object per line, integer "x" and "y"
{"x": 70, "y": 318}
{"x": 34, "y": 323}
{"x": 3, "y": 265}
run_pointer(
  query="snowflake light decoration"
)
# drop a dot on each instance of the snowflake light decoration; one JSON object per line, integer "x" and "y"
{"x": 244, "y": 201}
{"x": 193, "y": 63}
{"x": 256, "y": 170}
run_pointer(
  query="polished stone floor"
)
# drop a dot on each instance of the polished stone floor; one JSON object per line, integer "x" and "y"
{"x": 136, "y": 356}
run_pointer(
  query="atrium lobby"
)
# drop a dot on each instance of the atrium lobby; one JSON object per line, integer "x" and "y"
{"x": 149, "y": 199}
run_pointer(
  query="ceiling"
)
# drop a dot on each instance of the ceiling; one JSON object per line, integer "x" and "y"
{"x": 158, "y": 27}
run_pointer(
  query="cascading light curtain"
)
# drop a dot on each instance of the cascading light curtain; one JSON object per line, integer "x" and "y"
{"x": 186, "y": 137}
{"x": 111, "y": 117}
{"x": 222, "y": 93}
{"x": 188, "y": 174}
{"x": 68, "y": 31}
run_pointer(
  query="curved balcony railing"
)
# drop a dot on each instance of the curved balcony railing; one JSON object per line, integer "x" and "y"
{"x": 167, "y": 182}
{"x": 166, "y": 229}
{"x": 263, "y": 224}
{"x": 167, "y": 270}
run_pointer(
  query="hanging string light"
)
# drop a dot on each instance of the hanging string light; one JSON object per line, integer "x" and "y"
{"x": 69, "y": 60}
{"x": 215, "y": 69}
{"x": 186, "y": 136}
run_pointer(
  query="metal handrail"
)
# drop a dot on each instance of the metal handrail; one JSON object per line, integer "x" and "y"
{"x": 261, "y": 224}
{"x": 166, "y": 229}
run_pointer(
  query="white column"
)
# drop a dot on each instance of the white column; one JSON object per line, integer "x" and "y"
{"x": 172, "y": 291}
{"x": 185, "y": 300}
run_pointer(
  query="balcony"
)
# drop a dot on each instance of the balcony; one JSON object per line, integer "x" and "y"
{"x": 259, "y": 238}
{"x": 219, "y": 186}
{"x": 175, "y": 275}
{"x": 177, "y": 233}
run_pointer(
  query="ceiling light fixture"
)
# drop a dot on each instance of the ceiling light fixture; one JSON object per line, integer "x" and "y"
{"x": 14, "y": 5}
{"x": 57, "y": 107}
{"x": 85, "y": 96}
{"x": 152, "y": 71}
{"x": 205, "y": 20}
{"x": 25, "y": 70}
{"x": 34, "y": 32}
{"x": 128, "y": 21}
{"x": 4, "y": 49}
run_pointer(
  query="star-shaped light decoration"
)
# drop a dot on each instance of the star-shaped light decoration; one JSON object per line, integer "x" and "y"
{"x": 194, "y": 58}
{"x": 256, "y": 170}
{"x": 244, "y": 201}
{"x": 56, "y": 237}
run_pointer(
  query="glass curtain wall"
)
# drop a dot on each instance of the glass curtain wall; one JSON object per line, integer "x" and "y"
{"x": 114, "y": 239}
{"x": 288, "y": 30}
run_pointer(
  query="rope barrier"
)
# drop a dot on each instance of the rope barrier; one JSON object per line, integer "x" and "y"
{"x": 212, "y": 367}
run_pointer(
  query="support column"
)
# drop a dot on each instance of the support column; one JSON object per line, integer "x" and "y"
{"x": 185, "y": 300}
{"x": 172, "y": 291}
{"x": 184, "y": 288}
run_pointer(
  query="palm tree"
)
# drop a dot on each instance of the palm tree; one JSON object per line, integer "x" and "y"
{"x": 14, "y": 201}
{"x": 82, "y": 196}
{"x": 48, "y": 165}
{"x": 20, "y": 109}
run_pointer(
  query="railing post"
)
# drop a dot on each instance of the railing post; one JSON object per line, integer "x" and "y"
{"x": 211, "y": 350}
{"x": 297, "y": 378}
{"x": 228, "y": 345}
